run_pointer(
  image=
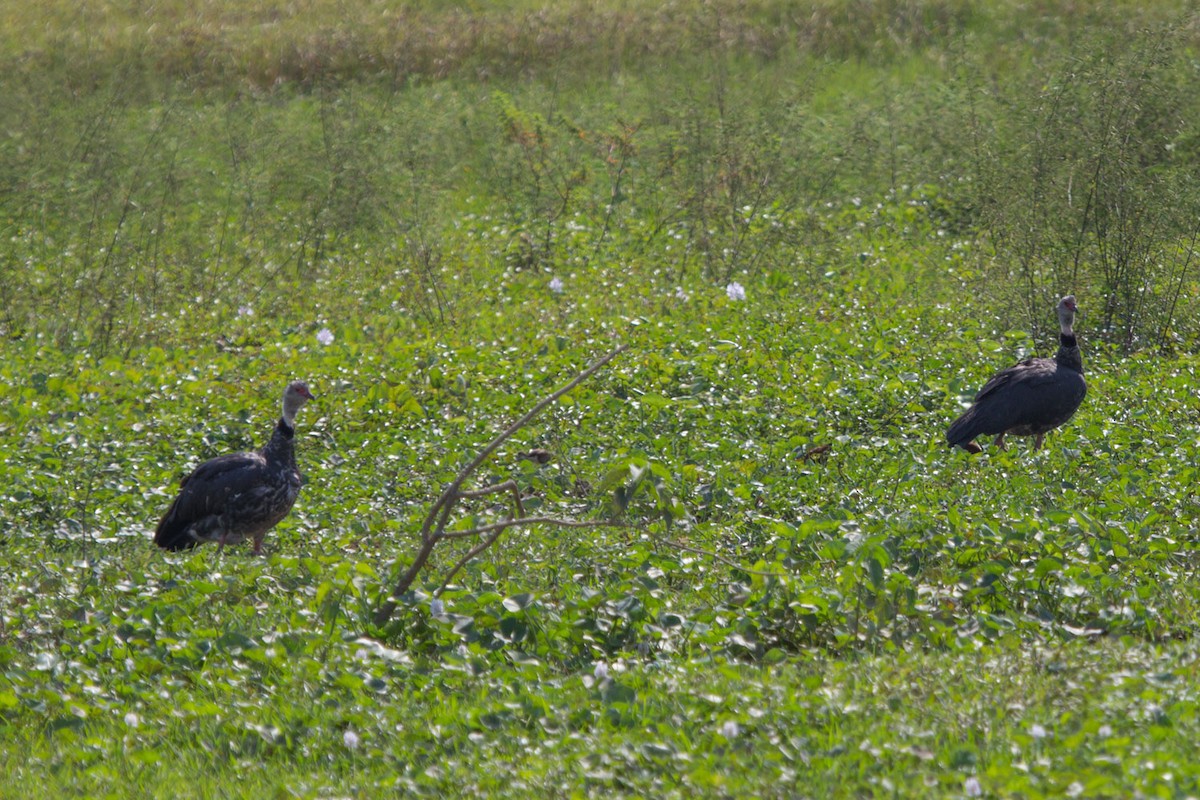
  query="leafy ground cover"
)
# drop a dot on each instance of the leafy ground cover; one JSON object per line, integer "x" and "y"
{"x": 804, "y": 593}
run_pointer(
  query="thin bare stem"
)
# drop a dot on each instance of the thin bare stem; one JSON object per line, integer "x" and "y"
{"x": 1183, "y": 270}
{"x": 522, "y": 521}
{"x": 509, "y": 485}
{"x": 385, "y": 611}
{"x": 452, "y": 490}
{"x": 474, "y": 551}
{"x": 493, "y": 489}
{"x": 433, "y": 528}
{"x": 443, "y": 518}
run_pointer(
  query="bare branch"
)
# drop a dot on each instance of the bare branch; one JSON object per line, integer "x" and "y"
{"x": 452, "y": 490}
{"x": 506, "y": 486}
{"x": 384, "y": 613}
{"x": 520, "y": 521}
{"x": 509, "y": 485}
{"x": 443, "y": 518}
{"x": 433, "y": 528}
{"x": 474, "y": 551}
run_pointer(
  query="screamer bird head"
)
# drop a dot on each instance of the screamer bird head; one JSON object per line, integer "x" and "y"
{"x": 1066, "y": 314}
{"x": 294, "y": 397}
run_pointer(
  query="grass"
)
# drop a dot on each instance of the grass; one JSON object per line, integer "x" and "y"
{"x": 899, "y": 728}
{"x": 806, "y": 593}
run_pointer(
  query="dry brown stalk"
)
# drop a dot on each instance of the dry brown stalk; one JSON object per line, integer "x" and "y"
{"x": 433, "y": 529}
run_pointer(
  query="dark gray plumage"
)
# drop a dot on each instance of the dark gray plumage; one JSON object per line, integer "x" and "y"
{"x": 241, "y": 495}
{"x": 1029, "y": 398}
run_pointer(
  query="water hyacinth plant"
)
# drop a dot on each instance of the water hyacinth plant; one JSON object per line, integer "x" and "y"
{"x": 817, "y": 230}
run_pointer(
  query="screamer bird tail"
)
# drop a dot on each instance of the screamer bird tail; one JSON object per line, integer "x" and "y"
{"x": 171, "y": 534}
{"x": 965, "y": 428}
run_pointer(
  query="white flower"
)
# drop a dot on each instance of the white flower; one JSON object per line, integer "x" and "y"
{"x": 680, "y": 294}
{"x": 132, "y": 720}
{"x": 730, "y": 729}
{"x": 971, "y": 787}
{"x": 1037, "y": 731}
{"x": 1105, "y": 731}
{"x": 245, "y": 311}
{"x": 325, "y": 336}
{"x": 437, "y": 607}
{"x": 601, "y": 671}
{"x": 350, "y": 739}
{"x": 556, "y": 285}
{"x": 735, "y": 291}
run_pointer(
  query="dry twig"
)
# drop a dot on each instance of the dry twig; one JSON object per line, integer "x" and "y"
{"x": 433, "y": 529}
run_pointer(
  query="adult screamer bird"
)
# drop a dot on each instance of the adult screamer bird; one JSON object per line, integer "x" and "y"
{"x": 1029, "y": 398}
{"x": 240, "y": 495}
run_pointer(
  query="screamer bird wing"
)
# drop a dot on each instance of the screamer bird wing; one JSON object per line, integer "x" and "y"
{"x": 207, "y": 493}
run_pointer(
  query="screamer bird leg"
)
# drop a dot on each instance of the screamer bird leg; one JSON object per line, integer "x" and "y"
{"x": 1037, "y": 444}
{"x": 1000, "y": 442}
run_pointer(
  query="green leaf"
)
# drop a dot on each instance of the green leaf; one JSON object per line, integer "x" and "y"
{"x": 518, "y": 602}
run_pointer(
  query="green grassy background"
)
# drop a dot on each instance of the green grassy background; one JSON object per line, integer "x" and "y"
{"x": 192, "y": 192}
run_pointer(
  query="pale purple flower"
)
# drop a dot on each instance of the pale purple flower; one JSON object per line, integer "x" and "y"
{"x": 556, "y": 285}
{"x": 730, "y": 729}
{"x": 437, "y": 607}
{"x": 245, "y": 311}
{"x": 325, "y": 336}
{"x": 971, "y": 787}
{"x": 680, "y": 294}
{"x": 1037, "y": 731}
{"x": 350, "y": 739}
{"x": 132, "y": 720}
{"x": 735, "y": 291}
{"x": 601, "y": 671}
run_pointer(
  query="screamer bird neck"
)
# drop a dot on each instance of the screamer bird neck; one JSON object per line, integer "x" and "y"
{"x": 279, "y": 449}
{"x": 1068, "y": 352}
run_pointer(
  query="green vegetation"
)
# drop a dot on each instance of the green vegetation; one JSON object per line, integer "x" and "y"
{"x": 804, "y": 593}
